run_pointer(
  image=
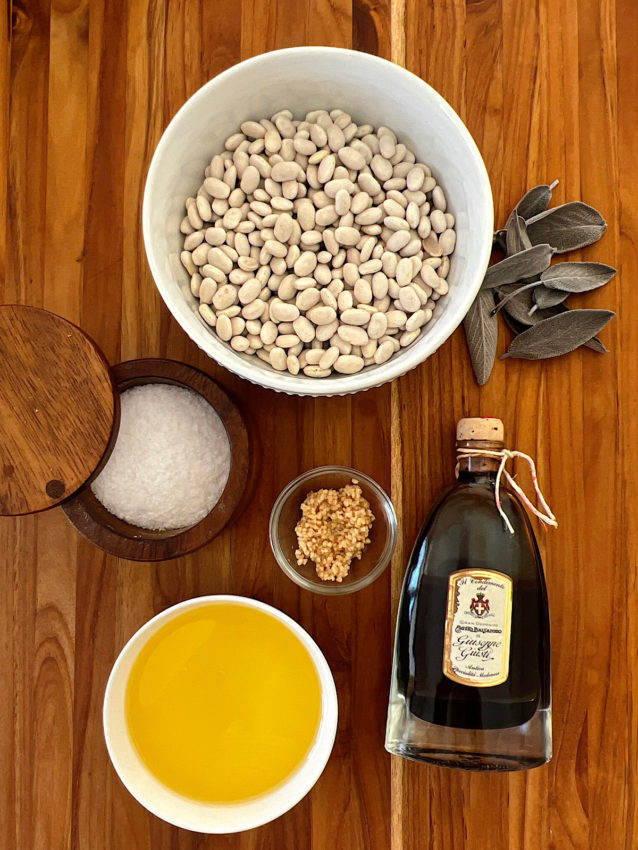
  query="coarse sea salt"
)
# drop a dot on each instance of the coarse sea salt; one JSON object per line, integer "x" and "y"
{"x": 170, "y": 462}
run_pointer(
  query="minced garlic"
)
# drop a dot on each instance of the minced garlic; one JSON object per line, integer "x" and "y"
{"x": 333, "y": 530}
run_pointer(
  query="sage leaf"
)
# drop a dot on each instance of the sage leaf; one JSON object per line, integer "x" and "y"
{"x": 514, "y": 294}
{"x": 549, "y": 297}
{"x": 566, "y": 227}
{"x": 500, "y": 241}
{"x": 596, "y": 345}
{"x": 534, "y": 202}
{"x": 481, "y": 332}
{"x": 518, "y": 327}
{"x": 537, "y": 316}
{"x": 519, "y": 306}
{"x": 516, "y": 238}
{"x": 577, "y": 277}
{"x": 526, "y": 263}
{"x": 559, "y": 334}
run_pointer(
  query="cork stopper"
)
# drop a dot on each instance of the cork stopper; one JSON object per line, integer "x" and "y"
{"x": 485, "y": 428}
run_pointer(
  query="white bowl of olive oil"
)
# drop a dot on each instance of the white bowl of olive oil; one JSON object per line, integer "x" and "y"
{"x": 220, "y": 714}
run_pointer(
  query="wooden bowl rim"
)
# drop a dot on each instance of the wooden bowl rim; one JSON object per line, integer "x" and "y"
{"x": 132, "y": 542}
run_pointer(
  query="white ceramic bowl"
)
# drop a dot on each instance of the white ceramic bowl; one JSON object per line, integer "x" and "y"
{"x": 373, "y": 91}
{"x": 191, "y": 814}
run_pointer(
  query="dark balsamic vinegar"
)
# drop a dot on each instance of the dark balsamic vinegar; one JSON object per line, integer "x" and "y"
{"x": 431, "y": 716}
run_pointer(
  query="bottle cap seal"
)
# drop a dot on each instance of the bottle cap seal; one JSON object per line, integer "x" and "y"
{"x": 483, "y": 428}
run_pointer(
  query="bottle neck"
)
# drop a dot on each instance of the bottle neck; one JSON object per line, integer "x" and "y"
{"x": 477, "y": 467}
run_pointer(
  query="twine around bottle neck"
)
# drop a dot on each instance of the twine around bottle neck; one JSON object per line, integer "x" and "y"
{"x": 494, "y": 457}
{"x": 477, "y": 462}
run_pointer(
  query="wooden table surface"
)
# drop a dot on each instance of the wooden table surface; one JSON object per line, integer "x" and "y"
{"x": 549, "y": 90}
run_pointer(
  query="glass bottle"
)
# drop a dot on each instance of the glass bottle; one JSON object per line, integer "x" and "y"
{"x": 471, "y": 675}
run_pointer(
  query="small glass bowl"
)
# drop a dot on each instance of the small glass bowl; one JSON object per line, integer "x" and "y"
{"x": 286, "y": 513}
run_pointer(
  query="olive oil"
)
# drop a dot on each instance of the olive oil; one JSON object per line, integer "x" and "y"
{"x": 471, "y": 676}
{"x": 223, "y": 703}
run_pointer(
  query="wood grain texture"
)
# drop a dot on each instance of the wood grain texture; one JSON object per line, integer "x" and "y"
{"x": 548, "y": 89}
{"x": 58, "y": 409}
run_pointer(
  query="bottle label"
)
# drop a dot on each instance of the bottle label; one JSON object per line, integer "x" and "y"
{"x": 477, "y": 628}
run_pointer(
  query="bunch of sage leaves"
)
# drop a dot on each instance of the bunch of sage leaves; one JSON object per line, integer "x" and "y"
{"x": 530, "y": 292}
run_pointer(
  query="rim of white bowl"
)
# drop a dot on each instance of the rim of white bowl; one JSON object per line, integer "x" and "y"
{"x": 373, "y": 376}
{"x": 272, "y": 804}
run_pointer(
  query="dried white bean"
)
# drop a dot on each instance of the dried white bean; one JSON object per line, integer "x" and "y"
{"x": 314, "y": 355}
{"x": 408, "y": 337}
{"x": 207, "y": 315}
{"x": 347, "y": 235}
{"x": 363, "y": 290}
{"x": 415, "y": 179}
{"x": 282, "y": 312}
{"x": 329, "y": 357}
{"x": 398, "y": 240}
{"x": 348, "y": 364}
{"x": 438, "y": 199}
{"x": 412, "y": 248}
{"x": 352, "y": 334}
{"x": 207, "y": 290}
{"x": 306, "y": 264}
{"x": 278, "y": 359}
{"x": 355, "y": 316}
{"x": 396, "y": 318}
{"x": 316, "y": 372}
{"x": 317, "y": 239}
{"x": 384, "y": 352}
{"x": 447, "y": 241}
{"x": 328, "y": 298}
{"x": 370, "y": 267}
{"x": 287, "y": 340}
{"x": 377, "y": 326}
{"x": 255, "y": 309}
{"x": 304, "y": 329}
{"x": 409, "y": 299}
{"x": 321, "y": 314}
{"x": 367, "y": 350}
{"x": 351, "y": 158}
{"x": 336, "y": 139}
{"x": 216, "y": 188}
{"x": 437, "y": 220}
{"x": 431, "y": 245}
{"x": 224, "y": 328}
{"x": 381, "y": 167}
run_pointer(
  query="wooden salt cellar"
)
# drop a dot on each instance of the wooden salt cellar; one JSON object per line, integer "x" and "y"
{"x": 125, "y": 540}
{"x": 59, "y": 418}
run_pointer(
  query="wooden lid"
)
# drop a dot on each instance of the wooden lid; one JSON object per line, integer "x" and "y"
{"x": 484, "y": 428}
{"x": 57, "y": 409}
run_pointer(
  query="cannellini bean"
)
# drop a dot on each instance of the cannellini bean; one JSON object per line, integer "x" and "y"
{"x": 348, "y": 364}
{"x": 321, "y": 314}
{"x": 355, "y": 316}
{"x": 207, "y": 315}
{"x": 447, "y": 241}
{"x": 438, "y": 198}
{"x": 396, "y": 318}
{"x": 224, "y": 328}
{"x": 363, "y": 290}
{"x": 409, "y": 299}
{"x": 353, "y": 335}
{"x": 377, "y": 326}
{"x": 304, "y": 329}
{"x": 307, "y": 298}
{"x": 318, "y": 244}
